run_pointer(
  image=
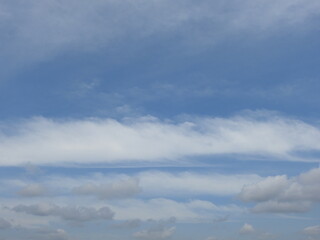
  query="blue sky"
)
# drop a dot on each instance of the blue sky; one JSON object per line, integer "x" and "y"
{"x": 159, "y": 120}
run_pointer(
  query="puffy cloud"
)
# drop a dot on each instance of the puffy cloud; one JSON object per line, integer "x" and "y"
{"x": 32, "y": 190}
{"x": 71, "y": 213}
{"x": 265, "y": 189}
{"x": 155, "y": 233}
{"x": 247, "y": 229}
{"x": 4, "y": 224}
{"x": 281, "y": 194}
{"x": 44, "y": 141}
{"x": 119, "y": 189}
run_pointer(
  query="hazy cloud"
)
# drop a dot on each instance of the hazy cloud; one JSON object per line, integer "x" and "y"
{"x": 312, "y": 230}
{"x": 162, "y": 208}
{"x": 4, "y": 224}
{"x": 71, "y": 213}
{"x": 118, "y": 189}
{"x": 247, "y": 229}
{"x": 155, "y": 233}
{"x": 32, "y": 190}
{"x": 83, "y": 26}
{"x": 128, "y": 224}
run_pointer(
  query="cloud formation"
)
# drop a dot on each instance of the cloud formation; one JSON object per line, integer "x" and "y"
{"x": 247, "y": 229}
{"x": 45, "y": 141}
{"x": 163, "y": 208}
{"x": 282, "y": 194}
{"x": 32, "y": 190}
{"x": 70, "y": 213}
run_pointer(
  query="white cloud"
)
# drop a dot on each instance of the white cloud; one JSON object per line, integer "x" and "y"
{"x": 283, "y": 194}
{"x": 45, "y": 141}
{"x": 247, "y": 229}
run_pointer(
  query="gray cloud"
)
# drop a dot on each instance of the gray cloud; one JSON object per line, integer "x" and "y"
{"x": 155, "y": 233}
{"x": 312, "y": 230}
{"x": 32, "y": 190}
{"x": 70, "y": 213}
{"x": 119, "y": 189}
{"x": 69, "y": 25}
{"x": 281, "y": 194}
{"x": 128, "y": 224}
{"x": 282, "y": 207}
{"x": 49, "y": 234}
{"x": 4, "y": 224}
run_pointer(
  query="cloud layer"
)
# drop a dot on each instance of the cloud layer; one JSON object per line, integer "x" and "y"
{"x": 52, "y": 27}
{"x": 45, "y": 141}
{"x": 80, "y": 214}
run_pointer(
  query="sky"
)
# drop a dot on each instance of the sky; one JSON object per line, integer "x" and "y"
{"x": 158, "y": 119}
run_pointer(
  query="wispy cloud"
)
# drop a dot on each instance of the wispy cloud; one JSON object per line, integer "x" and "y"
{"x": 57, "y": 142}
{"x": 52, "y": 27}
{"x": 70, "y": 213}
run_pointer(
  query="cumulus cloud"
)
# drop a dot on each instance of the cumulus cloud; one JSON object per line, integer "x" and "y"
{"x": 155, "y": 233}
{"x": 119, "y": 189}
{"x": 247, "y": 229}
{"x": 45, "y": 141}
{"x": 70, "y": 213}
{"x": 283, "y": 194}
{"x": 32, "y": 190}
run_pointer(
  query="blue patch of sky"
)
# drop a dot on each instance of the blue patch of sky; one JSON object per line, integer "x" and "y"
{"x": 276, "y": 73}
